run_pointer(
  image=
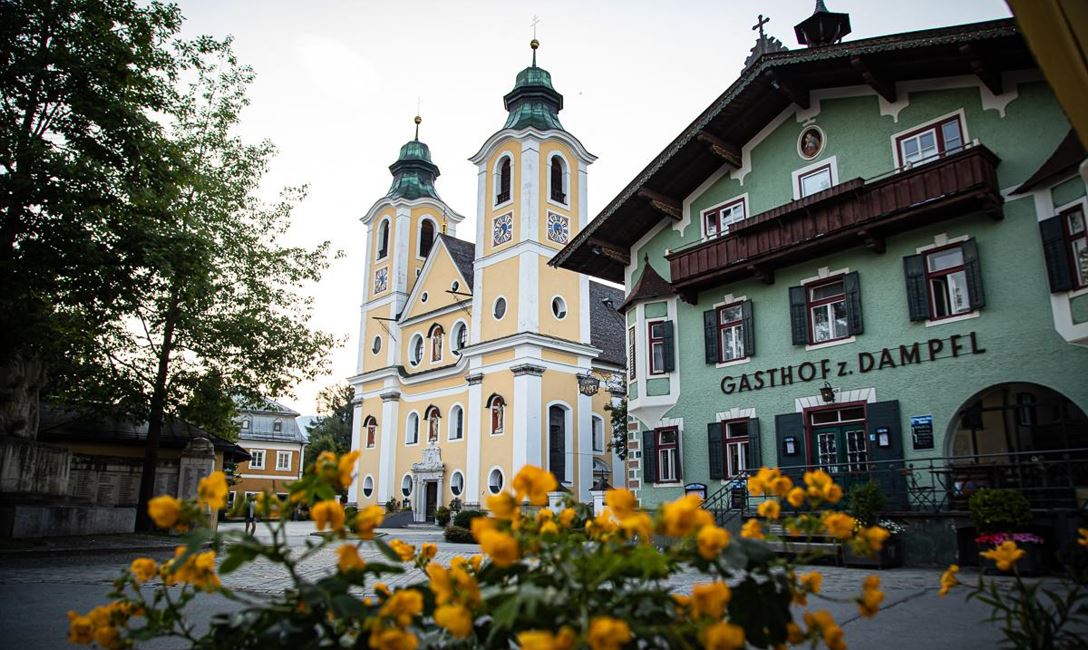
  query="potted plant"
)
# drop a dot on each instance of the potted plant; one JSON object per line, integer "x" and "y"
{"x": 865, "y": 503}
{"x": 1001, "y": 515}
{"x": 442, "y": 516}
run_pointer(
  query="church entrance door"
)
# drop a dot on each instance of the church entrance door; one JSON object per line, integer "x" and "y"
{"x": 430, "y": 499}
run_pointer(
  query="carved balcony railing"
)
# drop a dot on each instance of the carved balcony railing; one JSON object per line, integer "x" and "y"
{"x": 852, "y": 213}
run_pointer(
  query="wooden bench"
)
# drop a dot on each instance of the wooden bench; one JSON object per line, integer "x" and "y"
{"x": 823, "y": 546}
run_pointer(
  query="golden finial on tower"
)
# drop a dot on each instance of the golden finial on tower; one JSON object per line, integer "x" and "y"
{"x": 534, "y": 44}
{"x": 418, "y": 121}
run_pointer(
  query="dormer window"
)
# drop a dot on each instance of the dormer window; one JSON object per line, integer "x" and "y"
{"x": 383, "y": 239}
{"x": 558, "y": 177}
{"x": 277, "y": 426}
{"x": 426, "y": 237}
{"x": 502, "y": 194}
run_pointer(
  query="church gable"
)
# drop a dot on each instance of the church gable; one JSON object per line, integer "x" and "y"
{"x": 431, "y": 290}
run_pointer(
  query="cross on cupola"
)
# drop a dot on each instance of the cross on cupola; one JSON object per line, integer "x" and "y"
{"x": 764, "y": 44}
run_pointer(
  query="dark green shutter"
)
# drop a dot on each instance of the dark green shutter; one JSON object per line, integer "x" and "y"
{"x": 669, "y": 347}
{"x": 649, "y": 457}
{"x": 679, "y": 457}
{"x": 755, "y": 450}
{"x": 798, "y": 316}
{"x": 914, "y": 269}
{"x": 852, "y": 285}
{"x": 887, "y": 473}
{"x": 1059, "y": 267}
{"x": 714, "y": 450}
{"x": 787, "y": 425}
{"x": 749, "y": 330}
{"x": 971, "y": 269}
{"x": 710, "y": 335}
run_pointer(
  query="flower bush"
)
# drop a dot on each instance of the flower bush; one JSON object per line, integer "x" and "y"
{"x": 545, "y": 578}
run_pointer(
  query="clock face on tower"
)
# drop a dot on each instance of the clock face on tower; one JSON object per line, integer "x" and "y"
{"x": 502, "y": 230}
{"x": 381, "y": 280}
{"x": 558, "y": 228}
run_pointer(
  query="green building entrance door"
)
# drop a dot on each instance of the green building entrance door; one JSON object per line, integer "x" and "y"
{"x": 841, "y": 449}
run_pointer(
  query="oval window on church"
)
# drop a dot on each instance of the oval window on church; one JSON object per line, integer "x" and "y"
{"x": 494, "y": 481}
{"x": 376, "y": 347}
{"x": 368, "y": 486}
{"x": 406, "y": 485}
{"x": 500, "y": 308}
{"x": 559, "y": 308}
{"x": 457, "y": 483}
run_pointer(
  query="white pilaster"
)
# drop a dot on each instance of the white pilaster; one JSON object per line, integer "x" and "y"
{"x": 583, "y": 193}
{"x": 529, "y": 175}
{"x": 400, "y": 283}
{"x": 387, "y": 446}
{"x": 356, "y": 445}
{"x": 472, "y": 443}
{"x": 528, "y": 291}
{"x": 527, "y": 409}
{"x": 585, "y": 445}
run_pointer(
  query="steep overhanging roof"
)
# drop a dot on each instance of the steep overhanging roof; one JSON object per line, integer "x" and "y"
{"x": 770, "y": 85}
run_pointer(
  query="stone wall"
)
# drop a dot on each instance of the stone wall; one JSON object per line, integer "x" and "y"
{"x": 30, "y": 467}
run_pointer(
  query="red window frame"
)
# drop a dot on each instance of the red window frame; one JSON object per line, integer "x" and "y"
{"x": 931, "y": 275}
{"x": 659, "y": 446}
{"x": 497, "y": 406}
{"x": 812, "y": 172}
{"x": 932, "y": 126}
{"x": 727, "y": 440}
{"x": 716, "y": 213}
{"x": 436, "y": 342}
{"x": 371, "y": 431}
{"x": 724, "y": 326}
{"x": 811, "y": 304}
{"x": 632, "y": 368}
{"x": 651, "y": 341}
{"x": 1071, "y": 239}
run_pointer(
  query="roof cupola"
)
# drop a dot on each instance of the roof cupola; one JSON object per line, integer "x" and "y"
{"x": 414, "y": 173}
{"x": 533, "y": 102}
{"x": 823, "y": 27}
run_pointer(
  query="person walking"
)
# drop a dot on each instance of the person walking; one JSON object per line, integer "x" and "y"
{"x": 251, "y": 516}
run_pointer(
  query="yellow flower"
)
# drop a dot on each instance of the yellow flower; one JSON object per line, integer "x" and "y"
{"x": 566, "y": 517}
{"x": 143, "y": 569}
{"x": 80, "y": 629}
{"x": 349, "y": 558}
{"x": 107, "y": 637}
{"x": 1006, "y": 555}
{"x": 480, "y": 525}
{"x": 428, "y": 550}
{"x": 455, "y": 618}
{"x": 212, "y": 490}
{"x": 710, "y": 599}
{"x": 871, "y": 597}
{"x": 723, "y": 636}
{"x": 545, "y": 640}
{"x": 838, "y": 524}
{"x": 392, "y": 639}
{"x": 769, "y": 509}
{"x": 794, "y": 634}
{"x": 441, "y": 584}
{"x": 534, "y": 483}
{"x": 711, "y": 541}
{"x": 948, "y": 579}
{"x": 680, "y": 517}
{"x": 751, "y": 529}
{"x": 621, "y": 502}
{"x": 475, "y": 561}
{"x": 367, "y": 520}
{"x": 823, "y": 622}
{"x": 781, "y": 486}
{"x": 549, "y": 528}
{"x": 347, "y": 467}
{"x": 402, "y": 606}
{"x": 822, "y": 487}
{"x": 1083, "y": 539}
{"x": 328, "y": 513}
{"x": 762, "y": 481}
{"x": 796, "y": 497}
{"x": 164, "y": 510}
{"x": 502, "y": 548}
{"x": 198, "y": 570}
{"x": 503, "y": 506}
{"x": 606, "y": 633}
{"x": 405, "y": 551}
{"x": 874, "y": 537}
{"x": 639, "y": 524}
{"x": 811, "y": 582}
{"x": 544, "y": 514}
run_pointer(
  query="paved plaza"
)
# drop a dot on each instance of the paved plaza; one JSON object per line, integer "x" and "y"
{"x": 37, "y": 591}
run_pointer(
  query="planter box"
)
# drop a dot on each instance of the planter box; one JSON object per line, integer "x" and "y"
{"x": 889, "y": 557}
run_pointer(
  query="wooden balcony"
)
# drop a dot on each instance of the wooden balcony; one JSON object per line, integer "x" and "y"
{"x": 854, "y": 213}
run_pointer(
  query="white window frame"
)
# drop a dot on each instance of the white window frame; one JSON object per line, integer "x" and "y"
{"x": 743, "y": 445}
{"x": 281, "y": 465}
{"x": 594, "y": 420}
{"x": 388, "y": 223}
{"x": 505, "y": 310}
{"x": 721, "y": 223}
{"x": 502, "y": 480}
{"x": 256, "y": 453}
{"x": 457, "y": 473}
{"x": 417, "y": 341}
{"x": 456, "y": 408}
{"x": 411, "y": 486}
{"x": 632, "y": 353}
{"x": 454, "y": 346}
{"x": 419, "y": 235}
{"x": 495, "y": 180}
{"x": 414, "y": 415}
{"x": 675, "y": 476}
{"x": 368, "y": 479}
{"x": 830, "y": 161}
{"x": 897, "y": 156}
{"x": 566, "y": 179}
{"x": 562, "y": 307}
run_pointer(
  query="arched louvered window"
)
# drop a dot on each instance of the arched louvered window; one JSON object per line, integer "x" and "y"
{"x": 426, "y": 237}
{"x": 503, "y": 193}
{"x": 383, "y": 239}
{"x": 558, "y": 178}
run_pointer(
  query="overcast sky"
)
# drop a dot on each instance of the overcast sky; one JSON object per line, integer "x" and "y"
{"x": 337, "y": 85}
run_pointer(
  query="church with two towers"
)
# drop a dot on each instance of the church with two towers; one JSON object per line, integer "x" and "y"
{"x": 478, "y": 357}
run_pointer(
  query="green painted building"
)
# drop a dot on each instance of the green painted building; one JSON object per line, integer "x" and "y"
{"x": 867, "y": 256}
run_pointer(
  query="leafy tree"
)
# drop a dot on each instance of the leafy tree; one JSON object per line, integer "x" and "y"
{"x": 79, "y": 80}
{"x": 618, "y": 417}
{"x": 219, "y": 308}
{"x": 331, "y": 431}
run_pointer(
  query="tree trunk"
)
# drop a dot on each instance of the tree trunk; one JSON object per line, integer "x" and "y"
{"x": 22, "y": 374}
{"x": 155, "y": 418}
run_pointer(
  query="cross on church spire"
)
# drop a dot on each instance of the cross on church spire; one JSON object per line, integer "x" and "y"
{"x": 534, "y": 43}
{"x": 760, "y": 22}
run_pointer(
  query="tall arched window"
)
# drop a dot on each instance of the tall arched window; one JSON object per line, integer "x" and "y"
{"x": 371, "y": 431}
{"x": 436, "y": 335}
{"x": 433, "y": 418}
{"x": 457, "y": 423}
{"x": 411, "y": 435}
{"x": 497, "y": 406}
{"x": 502, "y": 194}
{"x": 383, "y": 239}
{"x": 557, "y": 442}
{"x": 558, "y": 180}
{"x": 460, "y": 337}
{"x": 426, "y": 237}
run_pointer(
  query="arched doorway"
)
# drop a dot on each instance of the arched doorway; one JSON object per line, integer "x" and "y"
{"x": 1008, "y": 419}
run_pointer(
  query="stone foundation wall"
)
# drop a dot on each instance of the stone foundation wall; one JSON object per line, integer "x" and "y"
{"x": 49, "y": 520}
{"x": 30, "y": 467}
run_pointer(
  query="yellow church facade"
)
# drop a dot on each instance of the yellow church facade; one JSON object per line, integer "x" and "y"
{"x": 478, "y": 357}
